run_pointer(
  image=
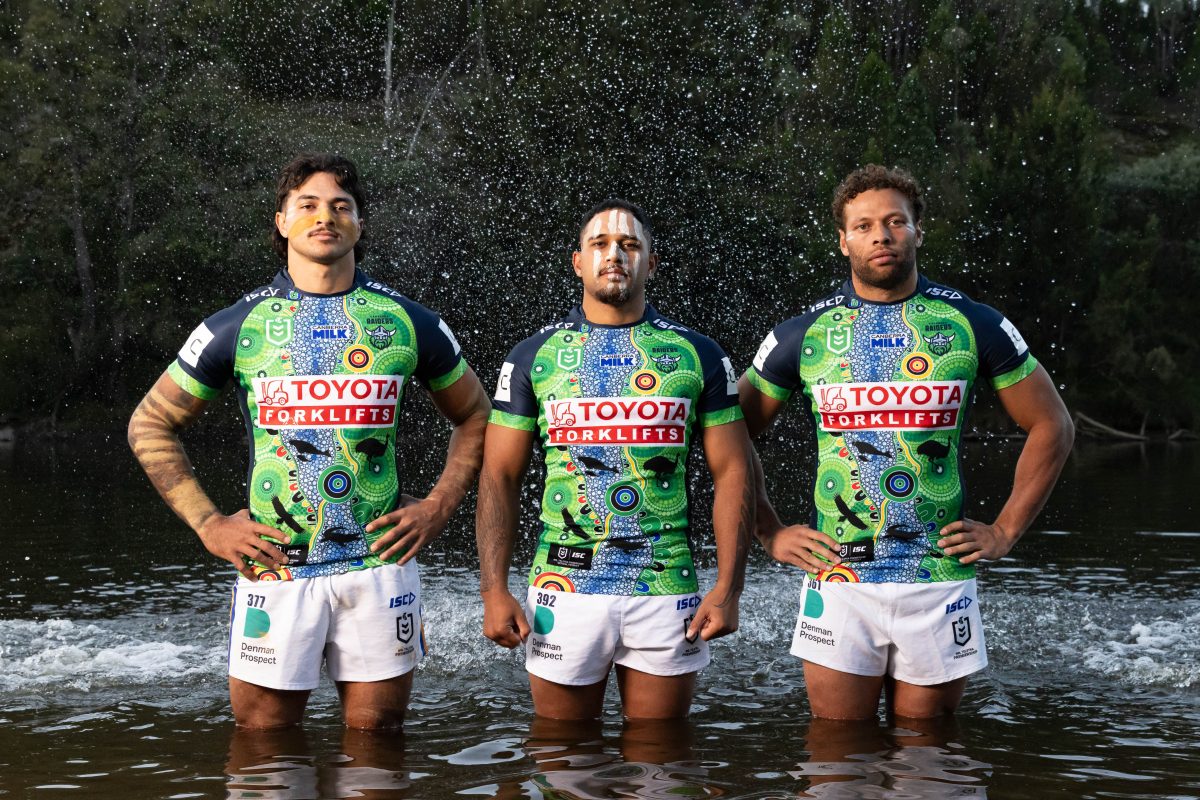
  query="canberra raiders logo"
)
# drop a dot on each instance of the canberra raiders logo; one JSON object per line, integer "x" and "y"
{"x": 939, "y": 343}
{"x": 381, "y": 337}
{"x": 667, "y": 364}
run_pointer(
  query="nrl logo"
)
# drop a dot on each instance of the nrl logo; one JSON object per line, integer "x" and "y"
{"x": 939, "y": 343}
{"x": 279, "y": 331}
{"x": 569, "y": 359}
{"x": 837, "y": 340}
{"x": 667, "y": 363}
{"x": 381, "y": 337}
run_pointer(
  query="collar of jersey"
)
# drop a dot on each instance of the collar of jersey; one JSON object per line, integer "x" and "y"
{"x": 284, "y": 281}
{"x": 848, "y": 290}
{"x": 576, "y": 316}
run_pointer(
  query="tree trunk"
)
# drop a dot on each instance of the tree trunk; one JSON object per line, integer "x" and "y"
{"x": 84, "y": 335}
{"x": 387, "y": 65}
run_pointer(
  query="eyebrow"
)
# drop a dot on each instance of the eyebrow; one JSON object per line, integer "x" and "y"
{"x": 618, "y": 235}
{"x": 341, "y": 198}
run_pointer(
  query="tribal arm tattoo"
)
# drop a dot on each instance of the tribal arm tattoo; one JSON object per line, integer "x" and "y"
{"x": 154, "y": 438}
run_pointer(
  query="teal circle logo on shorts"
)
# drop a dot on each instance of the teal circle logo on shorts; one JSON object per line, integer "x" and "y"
{"x": 814, "y": 605}
{"x": 258, "y": 623}
{"x": 543, "y": 620}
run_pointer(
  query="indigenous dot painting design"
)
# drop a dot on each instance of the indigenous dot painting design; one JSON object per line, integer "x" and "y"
{"x": 891, "y": 478}
{"x": 615, "y": 516}
{"x": 321, "y": 484}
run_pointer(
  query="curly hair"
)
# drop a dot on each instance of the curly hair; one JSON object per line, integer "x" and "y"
{"x": 873, "y": 176}
{"x": 303, "y": 167}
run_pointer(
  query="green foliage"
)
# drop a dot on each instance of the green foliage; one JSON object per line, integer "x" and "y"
{"x": 139, "y": 143}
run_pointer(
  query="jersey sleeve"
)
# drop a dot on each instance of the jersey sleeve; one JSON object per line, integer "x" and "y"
{"x": 1004, "y": 358}
{"x": 718, "y": 403}
{"x": 439, "y": 358}
{"x": 205, "y": 362}
{"x": 776, "y": 368}
{"x": 514, "y": 404}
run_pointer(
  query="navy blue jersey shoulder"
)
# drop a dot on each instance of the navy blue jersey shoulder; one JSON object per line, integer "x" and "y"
{"x": 208, "y": 355}
{"x": 514, "y": 387}
{"x": 777, "y": 360}
{"x": 1000, "y": 346}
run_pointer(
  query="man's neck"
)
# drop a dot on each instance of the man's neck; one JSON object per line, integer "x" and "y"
{"x": 314, "y": 278}
{"x": 874, "y": 294}
{"x": 602, "y": 313}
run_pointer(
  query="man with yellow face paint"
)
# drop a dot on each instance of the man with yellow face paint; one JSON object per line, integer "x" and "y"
{"x": 319, "y": 359}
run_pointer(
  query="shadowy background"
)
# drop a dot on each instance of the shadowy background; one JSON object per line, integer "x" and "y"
{"x": 139, "y": 142}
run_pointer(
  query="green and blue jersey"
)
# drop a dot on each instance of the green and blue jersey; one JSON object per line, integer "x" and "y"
{"x": 615, "y": 408}
{"x": 320, "y": 379}
{"x": 888, "y": 386}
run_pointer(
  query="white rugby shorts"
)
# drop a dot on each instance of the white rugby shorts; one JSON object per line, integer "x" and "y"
{"x": 576, "y": 638}
{"x": 919, "y": 633}
{"x": 366, "y": 625}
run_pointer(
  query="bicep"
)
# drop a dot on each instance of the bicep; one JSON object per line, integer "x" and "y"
{"x": 727, "y": 449}
{"x": 758, "y": 408}
{"x": 167, "y": 405}
{"x": 506, "y": 451}
{"x": 1033, "y": 400}
{"x": 462, "y": 399}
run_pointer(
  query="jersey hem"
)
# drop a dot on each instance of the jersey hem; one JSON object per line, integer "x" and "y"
{"x": 190, "y": 384}
{"x": 766, "y": 387}
{"x": 1015, "y": 376}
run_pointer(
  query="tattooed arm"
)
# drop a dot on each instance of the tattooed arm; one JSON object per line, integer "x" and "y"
{"x": 506, "y": 454}
{"x": 154, "y": 437}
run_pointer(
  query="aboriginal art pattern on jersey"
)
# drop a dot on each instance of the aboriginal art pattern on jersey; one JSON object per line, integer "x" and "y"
{"x": 320, "y": 379}
{"x": 615, "y": 408}
{"x": 888, "y": 387}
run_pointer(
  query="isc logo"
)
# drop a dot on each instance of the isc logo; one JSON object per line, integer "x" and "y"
{"x": 402, "y": 600}
{"x": 962, "y": 604}
{"x": 686, "y": 603}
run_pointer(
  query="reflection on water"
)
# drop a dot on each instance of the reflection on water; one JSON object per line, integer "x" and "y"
{"x": 864, "y": 760}
{"x": 113, "y": 649}
{"x": 279, "y": 765}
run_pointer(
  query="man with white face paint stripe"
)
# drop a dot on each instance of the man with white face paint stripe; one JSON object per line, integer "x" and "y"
{"x": 614, "y": 392}
{"x": 888, "y": 364}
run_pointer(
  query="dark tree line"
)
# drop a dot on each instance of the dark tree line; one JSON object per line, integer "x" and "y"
{"x": 1058, "y": 141}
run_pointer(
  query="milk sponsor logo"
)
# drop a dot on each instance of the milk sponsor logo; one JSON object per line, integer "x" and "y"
{"x": 327, "y": 401}
{"x": 619, "y": 421}
{"x": 890, "y": 405}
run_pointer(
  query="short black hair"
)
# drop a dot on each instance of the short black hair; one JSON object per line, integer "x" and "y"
{"x": 873, "y": 176}
{"x": 303, "y": 167}
{"x": 619, "y": 202}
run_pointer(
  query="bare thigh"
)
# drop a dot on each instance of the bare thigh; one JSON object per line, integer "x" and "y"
{"x": 376, "y": 705}
{"x": 563, "y": 701}
{"x": 834, "y": 694}
{"x": 646, "y": 696}
{"x": 924, "y": 702}
{"x": 263, "y": 708}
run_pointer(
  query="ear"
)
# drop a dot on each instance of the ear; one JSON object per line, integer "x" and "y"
{"x": 280, "y": 219}
{"x": 920, "y": 234}
{"x": 842, "y": 242}
{"x": 577, "y": 263}
{"x": 652, "y": 266}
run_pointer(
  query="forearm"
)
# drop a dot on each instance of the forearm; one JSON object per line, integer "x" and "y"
{"x": 464, "y": 454}
{"x": 495, "y": 529}
{"x": 766, "y": 520}
{"x": 1042, "y": 458}
{"x": 153, "y": 437}
{"x": 733, "y": 525}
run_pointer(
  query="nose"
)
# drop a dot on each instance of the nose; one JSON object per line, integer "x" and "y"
{"x": 614, "y": 254}
{"x": 881, "y": 234}
{"x": 324, "y": 214}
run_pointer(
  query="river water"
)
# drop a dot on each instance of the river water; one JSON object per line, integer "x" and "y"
{"x": 112, "y": 653}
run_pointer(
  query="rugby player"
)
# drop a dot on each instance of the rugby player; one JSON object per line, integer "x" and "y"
{"x": 319, "y": 359}
{"x": 887, "y": 365}
{"x": 614, "y": 394}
